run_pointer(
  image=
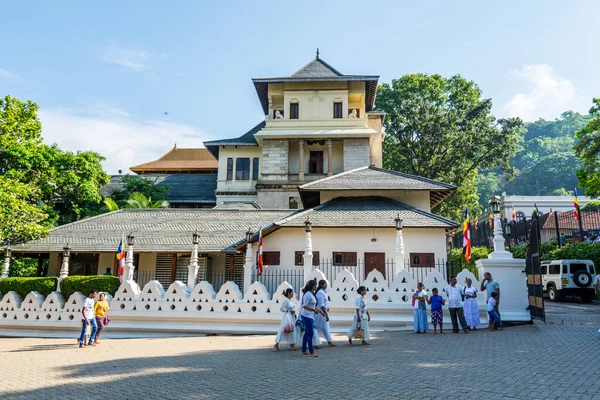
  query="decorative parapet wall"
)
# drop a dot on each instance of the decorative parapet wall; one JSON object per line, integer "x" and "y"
{"x": 154, "y": 311}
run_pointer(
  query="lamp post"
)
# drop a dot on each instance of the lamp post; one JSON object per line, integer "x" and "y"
{"x": 308, "y": 249}
{"x": 499, "y": 251}
{"x": 506, "y": 229}
{"x": 399, "y": 259}
{"x": 5, "y": 271}
{"x": 249, "y": 262}
{"x": 129, "y": 268}
{"x": 64, "y": 269}
{"x": 193, "y": 267}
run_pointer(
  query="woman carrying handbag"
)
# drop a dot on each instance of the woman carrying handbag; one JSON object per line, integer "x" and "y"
{"x": 287, "y": 329}
{"x": 100, "y": 309}
{"x": 360, "y": 325}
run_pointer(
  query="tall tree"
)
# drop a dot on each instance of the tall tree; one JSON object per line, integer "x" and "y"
{"x": 588, "y": 150}
{"x": 441, "y": 128}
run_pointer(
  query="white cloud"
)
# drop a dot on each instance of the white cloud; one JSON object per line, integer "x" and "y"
{"x": 136, "y": 59}
{"x": 4, "y": 73}
{"x": 112, "y": 132}
{"x": 547, "y": 95}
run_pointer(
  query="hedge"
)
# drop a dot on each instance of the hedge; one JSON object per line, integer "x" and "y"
{"x": 25, "y": 285}
{"x": 578, "y": 251}
{"x": 85, "y": 284}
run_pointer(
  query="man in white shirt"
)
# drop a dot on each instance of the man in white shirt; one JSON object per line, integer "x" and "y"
{"x": 596, "y": 284}
{"x": 455, "y": 305}
{"x": 88, "y": 319}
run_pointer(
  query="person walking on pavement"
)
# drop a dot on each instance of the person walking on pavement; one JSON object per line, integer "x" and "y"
{"x": 455, "y": 305}
{"x": 88, "y": 320}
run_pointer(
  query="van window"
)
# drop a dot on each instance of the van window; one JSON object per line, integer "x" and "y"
{"x": 543, "y": 270}
{"x": 592, "y": 271}
{"x": 578, "y": 267}
{"x": 554, "y": 269}
{"x": 564, "y": 271}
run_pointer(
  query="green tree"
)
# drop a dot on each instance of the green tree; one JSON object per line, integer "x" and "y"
{"x": 138, "y": 200}
{"x": 588, "y": 150}
{"x": 442, "y": 129}
{"x": 139, "y": 184}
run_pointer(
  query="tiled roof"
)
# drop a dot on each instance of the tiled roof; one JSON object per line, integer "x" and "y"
{"x": 566, "y": 220}
{"x": 247, "y": 139}
{"x": 185, "y": 188}
{"x": 372, "y": 211}
{"x": 317, "y": 71}
{"x": 366, "y": 178}
{"x": 236, "y": 205}
{"x": 156, "y": 230}
{"x": 180, "y": 160}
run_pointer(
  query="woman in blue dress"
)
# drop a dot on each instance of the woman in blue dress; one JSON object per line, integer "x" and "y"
{"x": 420, "y": 299}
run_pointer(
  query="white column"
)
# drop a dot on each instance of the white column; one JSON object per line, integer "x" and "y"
{"x": 399, "y": 257}
{"x": 308, "y": 256}
{"x": 329, "y": 161}
{"x": 301, "y": 166}
{"x": 499, "y": 250}
{"x": 6, "y": 268}
{"x": 129, "y": 267}
{"x": 64, "y": 272}
{"x": 248, "y": 265}
{"x": 193, "y": 268}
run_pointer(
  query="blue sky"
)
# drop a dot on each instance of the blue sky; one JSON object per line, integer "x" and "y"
{"x": 105, "y": 74}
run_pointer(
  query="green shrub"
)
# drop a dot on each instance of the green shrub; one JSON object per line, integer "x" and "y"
{"x": 546, "y": 250}
{"x": 25, "y": 285}
{"x": 477, "y": 253}
{"x": 85, "y": 284}
{"x": 577, "y": 251}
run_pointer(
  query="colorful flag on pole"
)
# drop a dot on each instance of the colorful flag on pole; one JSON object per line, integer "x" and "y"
{"x": 121, "y": 259}
{"x": 513, "y": 214}
{"x": 260, "y": 251}
{"x": 491, "y": 220}
{"x": 576, "y": 205}
{"x": 476, "y": 223}
{"x": 535, "y": 209}
{"x": 467, "y": 236}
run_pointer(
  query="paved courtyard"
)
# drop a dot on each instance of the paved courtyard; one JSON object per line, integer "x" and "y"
{"x": 554, "y": 360}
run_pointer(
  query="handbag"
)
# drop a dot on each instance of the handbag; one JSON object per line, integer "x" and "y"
{"x": 300, "y": 324}
{"x": 359, "y": 332}
{"x": 288, "y": 326}
{"x": 106, "y": 321}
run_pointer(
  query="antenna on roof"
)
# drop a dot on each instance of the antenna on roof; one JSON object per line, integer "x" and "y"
{"x": 175, "y": 146}
{"x": 317, "y": 52}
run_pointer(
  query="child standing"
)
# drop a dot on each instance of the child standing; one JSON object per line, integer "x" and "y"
{"x": 437, "y": 314}
{"x": 495, "y": 322}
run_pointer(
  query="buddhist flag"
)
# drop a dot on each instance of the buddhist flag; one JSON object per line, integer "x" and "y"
{"x": 476, "y": 223}
{"x": 121, "y": 258}
{"x": 535, "y": 209}
{"x": 491, "y": 220}
{"x": 467, "y": 236}
{"x": 513, "y": 214}
{"x": 576, "y": 205}
{"x": 260, "y": 250}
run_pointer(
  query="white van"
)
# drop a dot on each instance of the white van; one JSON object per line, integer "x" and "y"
{"x": 562, "y": 278}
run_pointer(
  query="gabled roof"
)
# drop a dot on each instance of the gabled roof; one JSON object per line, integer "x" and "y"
{"x": 156, "y": 230}
{"x": 368, "y": 211}
{"x": 373, "y": 178}
{"x": 247, "y": 139}
{"x": 317, "y": 71}
{"x": 177, "y": 159}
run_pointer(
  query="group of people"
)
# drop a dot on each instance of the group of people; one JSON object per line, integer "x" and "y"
{"x": 312, "y": 325}
{"x": 462, "y": 304}
{"x": 94, "y": 319}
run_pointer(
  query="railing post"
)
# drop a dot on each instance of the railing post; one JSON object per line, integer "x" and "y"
{"x": 193, "y": 267}
{"x": 6, "y": 270}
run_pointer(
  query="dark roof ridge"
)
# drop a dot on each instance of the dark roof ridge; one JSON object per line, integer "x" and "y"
{"x": 320, "y": 60}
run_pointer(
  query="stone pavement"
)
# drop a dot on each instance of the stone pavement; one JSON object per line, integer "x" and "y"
{"x": 539, "y": 361}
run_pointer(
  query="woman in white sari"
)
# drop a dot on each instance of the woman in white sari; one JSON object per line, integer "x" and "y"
{"x": 322, "y": 320}
{"x": 361, "y": 317}
{"x": 287, "y": 322}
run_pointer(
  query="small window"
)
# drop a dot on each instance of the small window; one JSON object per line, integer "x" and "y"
{"x": 294, "y": 110}
{"x": 315, "y": 162}
{"x": 592, "y": 271}
{"x": 554, "y": 269}
{"x": 299, "y": 258}
{"x": 229, "y": 169}
{"x": 422, "y": 260}
{"x": 578, "y": 267}
{"x": 564, "y": 269}
{"x": 293, "y": 203}
{"x": 271, "y": 258}
{"x": 242, "y": 169}
{"x": 344, "y": 259}
{"x": 255, "y": 169}
{"x": 543, "y": 269}
{"x": 337, "y": 110}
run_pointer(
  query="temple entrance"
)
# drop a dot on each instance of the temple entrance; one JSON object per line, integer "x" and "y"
{"x": 315, "y": 162}
{"x": 375, "y": 261}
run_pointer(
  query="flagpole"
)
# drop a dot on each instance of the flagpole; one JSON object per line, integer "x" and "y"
{"x": 580, "y": 223}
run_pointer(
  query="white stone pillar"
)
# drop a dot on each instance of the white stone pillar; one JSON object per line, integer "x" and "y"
{"x": 399, "y": 256}
{"x": 248, "y": 266}
{"x": 509, "y": 272}
{"x": 301, "y": 162}
{"x": 129, "y": 267}
{"x": 308, "y": 256}
{"x": 329, "y": 158}
{"x": 6, "y": 268}
{"x": 64, "y": 271}
{"x": 193, "y": 268}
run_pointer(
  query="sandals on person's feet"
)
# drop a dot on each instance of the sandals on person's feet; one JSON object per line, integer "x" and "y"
{"x": 314, "y": 355}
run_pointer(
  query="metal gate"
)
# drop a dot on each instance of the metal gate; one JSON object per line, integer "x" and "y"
{"x": 533, "y": 272}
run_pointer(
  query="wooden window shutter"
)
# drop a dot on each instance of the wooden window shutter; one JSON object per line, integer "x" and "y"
{"x": 299, "y": 258}
{"x": 271, "y": 258}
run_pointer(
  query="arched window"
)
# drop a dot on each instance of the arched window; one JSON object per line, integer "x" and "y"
{"x": 294, "y": 109}
{"x": 337, "y": 108}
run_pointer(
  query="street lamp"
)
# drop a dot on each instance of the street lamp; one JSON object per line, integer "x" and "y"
{"x": 398, "y": 222}
{"x": 66, "y": 251}
{"x": 7, "y": 252}
{"x": 507, "y": 227}
{"x": 307, "y": 225}
{"x": 249, "y": 235}
{"x": 495, "y": 204}
{"x": 194, "y": 237}
{"x": 130, "y": 239}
